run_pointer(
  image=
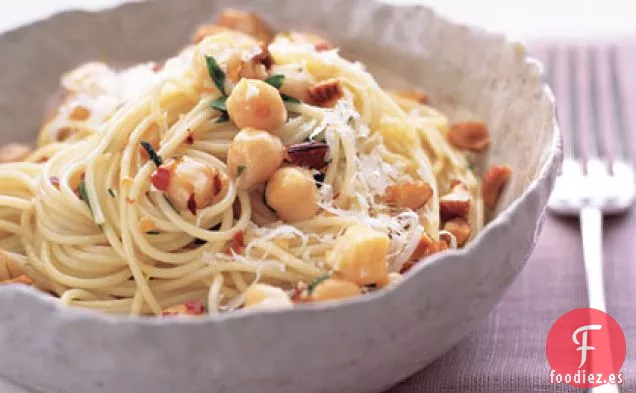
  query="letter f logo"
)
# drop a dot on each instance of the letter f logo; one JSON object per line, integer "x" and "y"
{"x": 584, "y": 347}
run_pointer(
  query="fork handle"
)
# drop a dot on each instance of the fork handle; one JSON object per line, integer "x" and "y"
{"x": 591, "y": 219}
{"x": 592, "y": 235}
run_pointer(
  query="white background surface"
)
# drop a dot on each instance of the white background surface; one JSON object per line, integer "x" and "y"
{"x": 530, "y": 20}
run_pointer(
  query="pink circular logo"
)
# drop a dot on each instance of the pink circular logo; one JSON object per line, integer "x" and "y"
{"x": 586, "y": 348}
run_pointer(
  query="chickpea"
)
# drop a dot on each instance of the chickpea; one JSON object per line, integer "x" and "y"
{"x": 334, "y": 289}
{"x": 266, "y": 296}
{"x": 254, "y": 103}
{"x": 189, "y": 184}
{"x": 297, "y": 81}
{"x": 254, "y": 156}
{"x": 292, "y": 192}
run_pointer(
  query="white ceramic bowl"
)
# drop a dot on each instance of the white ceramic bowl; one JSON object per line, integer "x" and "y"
{"x": 364, "y": 345}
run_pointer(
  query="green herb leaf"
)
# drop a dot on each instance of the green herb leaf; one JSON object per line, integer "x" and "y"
{"x": 239, "y": 170}
{"x": 84, "y": 195}
{"x": 112, "y": 193}
{"x": 219, "y": 104}
{"x": 152, "y": 153}
{"x": 216, "y": 74}
{"x": 290, "y": 99}
{"x": 276, "y": 80}
{"x": 316, "y": 282}
{"x": 223, "y": 118}
{"x": 472, "y": 167}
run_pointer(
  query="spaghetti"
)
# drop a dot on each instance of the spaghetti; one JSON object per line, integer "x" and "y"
{"x": 236, "y": 174}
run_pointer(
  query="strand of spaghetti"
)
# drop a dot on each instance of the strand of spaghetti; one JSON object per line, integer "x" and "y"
{"x": 17, "y": 203}
{"x": 289, "y": 260}
{"x": 224, "y": 266}
{"x": 210, "y": 236}
{"x": 238, "y": 281}
{"x": 71, "y": 281}
{"x": 71, "y": 295}
{"x": 131, "y": 258}
{"x": 214, "y": 295}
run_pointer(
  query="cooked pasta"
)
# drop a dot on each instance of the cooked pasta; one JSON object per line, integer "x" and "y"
{"x": 250, "y": 170}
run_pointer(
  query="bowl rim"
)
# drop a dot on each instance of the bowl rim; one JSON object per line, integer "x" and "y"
{"x": 553, "y": 157}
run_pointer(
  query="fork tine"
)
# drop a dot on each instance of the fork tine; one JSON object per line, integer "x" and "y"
{"x": 618, "y": 114}
{"x": 573, "y": 101}
{"x": 598, "y": 148}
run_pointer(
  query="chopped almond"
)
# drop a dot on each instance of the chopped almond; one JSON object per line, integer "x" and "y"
{"x": 413, "y": 94}
{"x": 494, "y": 180}
{"x": 460, "y": 228}
{"x": 64, "y": 133}
{"x": 455, "y": 204}
{"x": 14, "y": 152}
{"x": 326, "y": 93}
{"x": 254, "y": 68}
{"x": 307, "y": 154}
{"x": 206, "y": 30}
{"x": 426, "y": 247}
{"x": 472, "y": 135}
{"x": 80, "y": 113}
{"x": 411, "y": 195}
{"x": 246, "y": 22}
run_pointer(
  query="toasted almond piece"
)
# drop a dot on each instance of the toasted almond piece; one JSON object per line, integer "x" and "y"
{"x": 64, "y": 133}
{"x": 471, "y": 135}
{"x": 460, "y": 228}
{"x": 411, "y": 195}
{"x": 426, "y": 247}
{"x": 326, "y": 93}
{"x": 455, "y": 204}
{"x": 206, "y": 30}
{"x": 80, "y": 113}
{"x": 307, "y": 154}
{"x": 413, "y": 94}
{"x": 246, "y": 22}
{"x": 494, "y": 180}
{"x": 255, "y": 67}
{"x": 14, "y": 152}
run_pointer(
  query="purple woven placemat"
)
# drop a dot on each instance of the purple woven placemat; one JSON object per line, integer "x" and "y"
{"x": 506, "y": 353}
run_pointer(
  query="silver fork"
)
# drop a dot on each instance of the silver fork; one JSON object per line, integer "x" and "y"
{"x": 596, "y": 186}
